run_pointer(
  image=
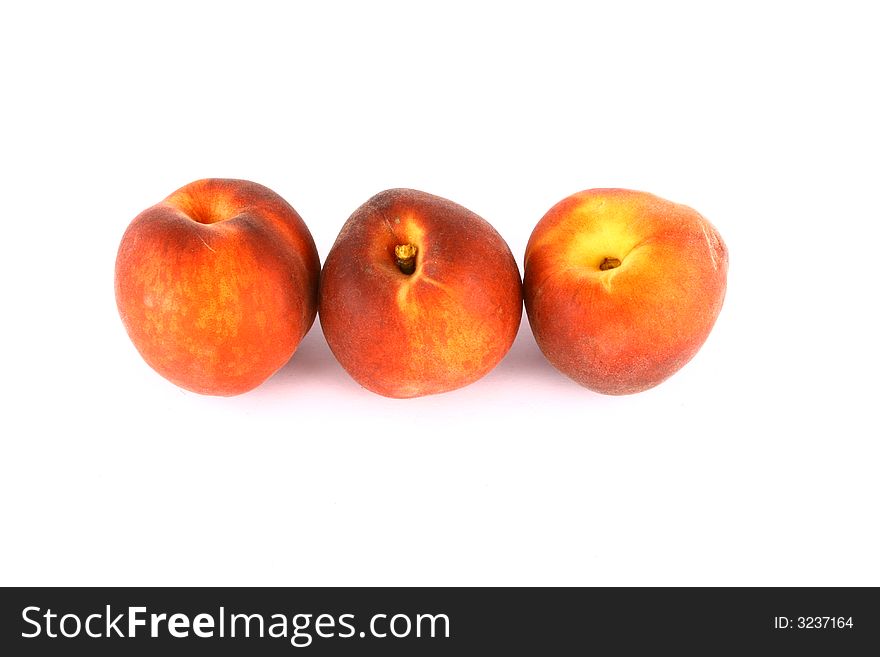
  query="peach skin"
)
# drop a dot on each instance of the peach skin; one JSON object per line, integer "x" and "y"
{"x": 418, "y": 295}
{"x": 217, "y": 284}
{"x": 622, "y": 287}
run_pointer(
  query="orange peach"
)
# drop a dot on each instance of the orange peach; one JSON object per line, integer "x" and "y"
{"x": 622, "y": 288}
{"x": 418, "y": 295}
{"x": 217, "y": 285}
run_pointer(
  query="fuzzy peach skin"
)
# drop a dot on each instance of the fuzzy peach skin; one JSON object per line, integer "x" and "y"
{"x": 217, "y": 285}
{"x": 622, "y": 287}
{"x": 439, "y": 328}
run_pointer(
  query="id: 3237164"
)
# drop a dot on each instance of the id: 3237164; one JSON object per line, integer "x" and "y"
{"x": 813, "y": 623}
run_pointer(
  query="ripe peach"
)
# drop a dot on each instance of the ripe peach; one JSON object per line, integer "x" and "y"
{"x": 622, "y": 288}
{"x": 217, "y": 285}
{"x": 418, "y": 295}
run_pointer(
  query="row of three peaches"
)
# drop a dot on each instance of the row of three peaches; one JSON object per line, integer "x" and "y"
{"x": 217, "y": 285}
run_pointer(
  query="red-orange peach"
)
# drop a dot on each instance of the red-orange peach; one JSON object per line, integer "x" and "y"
{"x": 217, "y": 285}
{"x": 418, "y": 295}
{"x": 622, "y": 288}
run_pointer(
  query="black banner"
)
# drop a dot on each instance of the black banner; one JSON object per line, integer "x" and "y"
{"x": 445, "y": 621}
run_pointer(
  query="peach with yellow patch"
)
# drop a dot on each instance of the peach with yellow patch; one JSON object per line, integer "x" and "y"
{"x": 217, "y": 285}
{"x": 622, "y": 288}
{"x": 418, "y": 295}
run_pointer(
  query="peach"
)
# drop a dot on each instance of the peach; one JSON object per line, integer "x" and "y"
{"x": 622, "y": 288}
{"x": 418, "y": 295}
{"x": 217, "y": 284}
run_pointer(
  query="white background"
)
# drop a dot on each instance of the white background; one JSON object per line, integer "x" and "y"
{"x": 756, "y": 464}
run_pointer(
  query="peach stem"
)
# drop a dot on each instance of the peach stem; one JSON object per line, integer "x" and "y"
{"x": 609, "y": 263}
{"x": 405, "y": 256}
